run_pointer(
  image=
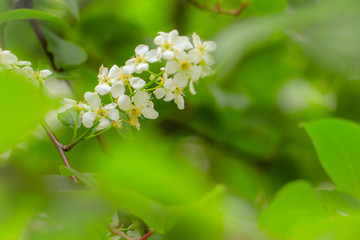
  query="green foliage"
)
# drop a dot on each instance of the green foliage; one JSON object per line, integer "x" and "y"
{"x": 21, "y": 14}
{"x": 66, "y": 54}
{"x": 69, "y": 118}
{"x": 336, "y": 142}
{"x": 23, "y": 113}
{"x": 73, "y": 7}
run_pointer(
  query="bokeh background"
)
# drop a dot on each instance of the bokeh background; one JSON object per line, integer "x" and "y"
{"x": 205, "y": 172}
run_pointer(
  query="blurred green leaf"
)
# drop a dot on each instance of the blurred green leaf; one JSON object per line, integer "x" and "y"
{"x": 85, "y": 178}
{"x": 337, "y": 142}
{"x": 20, "y": 14}
{"x": 73, "y": 7}
{"x": 68, "y": 118}
{"x": 21, "y": 106}
{"x": 296, "y": 206}
{"x": 67, "y": 54}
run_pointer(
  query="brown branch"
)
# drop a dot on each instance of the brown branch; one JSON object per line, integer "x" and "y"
{"x": 148, "y": 234}
{"x": 218, "y": 9}
{"x": 59, "y": 147}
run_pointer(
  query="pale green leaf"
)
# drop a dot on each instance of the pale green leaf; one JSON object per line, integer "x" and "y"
{"x": 337, "y": 142}
{"x": 73, "y": 7}
{"x": 21, "y": 14}
{"x": 66, "y": 53}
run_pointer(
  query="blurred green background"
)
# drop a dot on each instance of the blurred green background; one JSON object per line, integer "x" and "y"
{"x": 202, "y": 173}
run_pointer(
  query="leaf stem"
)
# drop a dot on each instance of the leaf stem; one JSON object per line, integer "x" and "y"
{"x": 76, "y": 126}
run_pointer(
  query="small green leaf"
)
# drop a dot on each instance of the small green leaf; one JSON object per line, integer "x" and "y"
{"x": 337, "y": 143}
{"x": 87, "y": 179}
{"x": 68, "y": 118}
{"x": 21, "y": 14}
{"x": 73, "y": 7}
{"x": 66, "y": 53}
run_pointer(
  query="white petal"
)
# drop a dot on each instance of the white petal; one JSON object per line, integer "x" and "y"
{"x": 103, "y": 71}
{"x": 142, "y": 67}
{"x": 88, "y": 119}
{"x": 168, "y": 96}
{"x": 159, "y": 93}
{"x": 183, "y": 43}
{"x": 8, "y": 58}
{"x": 195, "y": 73}
{"x": 45, "y": 73}
{"x": 194, "y": 56}
{"x": 129, "y": 69}
{"x": 137, "y": 82}
{"x": 181, "y": 79}
{"x": 206, "y": 71}
{"x": 117, "y": 89}
{"x": 124, "y": 102}
{"x": 169, "y": 84}
{"x": 114, "y": 72}
{"x": 93, "y": 100}
{"x": 69, "y": 101}
{"x": 191, "y": 87}
{"x": 159, "y": 40}
{"x": 196, "y": 40}
{"x": 109, "y": 106}
{"x": 168, "y": 55}
{"x": 171, "y": 67}
{"x": 152, "y": 56}
{"x": 141, "y": 50}
{"x": 181, "y": 56}
{"x": 24, "y": 63}
{"x": 102, "y": 89}
{"x": 103, "y": 123}
{"x": 173, "y": 35}
{"x": 149, "y": 113}
{"x": 141, "y": 99}
{"x": 179, "y": 100}
{"x": 114, "y": 115}
{"x": 210, "y": 46}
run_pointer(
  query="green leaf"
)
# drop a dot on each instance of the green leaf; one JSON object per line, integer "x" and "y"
{"x": 66, "y": 53}
{"x": 21, "y": 14}
{"x": 295, "y": 206}
{"x": 73, "y": 7}
{"x": 21, "y": 107}
{"x": 68, "y": 118}
{"x": 337, "y": 143}
{"x": 87, "y": 179}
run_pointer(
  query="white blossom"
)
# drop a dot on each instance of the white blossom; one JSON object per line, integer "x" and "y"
{"x": 168, "y": 43}
{"x": 141, "y": 61}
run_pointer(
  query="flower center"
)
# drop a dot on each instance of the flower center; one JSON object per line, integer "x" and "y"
{"x": 185, "y": 66}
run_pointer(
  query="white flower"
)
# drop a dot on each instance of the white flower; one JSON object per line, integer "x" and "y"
{"x": 141, "y": 61}
{"x": 142, "y": 107}
{"x": 36, "y": 76}
{"x": 105, "y": 114}
{"x": 184, "y": 67}
{"x": 168, "y": 43}
{"x": 175, "y": 90}
{"x": 108, "y": 81}
{"x": 7, "y": 59}
{"x": 203, "y": 49}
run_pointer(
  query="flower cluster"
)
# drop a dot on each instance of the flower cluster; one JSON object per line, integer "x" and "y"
{"x": 10, "y": 62}
{"x": 182, "y": 63}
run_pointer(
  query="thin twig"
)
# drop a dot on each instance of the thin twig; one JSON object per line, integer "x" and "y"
{"x": 59, "y": 147}
{"x": 120, "y": 233}
{"x": 147, "y": 235}
{"x": 218, "y": 9}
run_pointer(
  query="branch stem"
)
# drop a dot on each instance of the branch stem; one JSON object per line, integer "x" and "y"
{"x": 59, "y": 147}
{"x": 218, "y": 9}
